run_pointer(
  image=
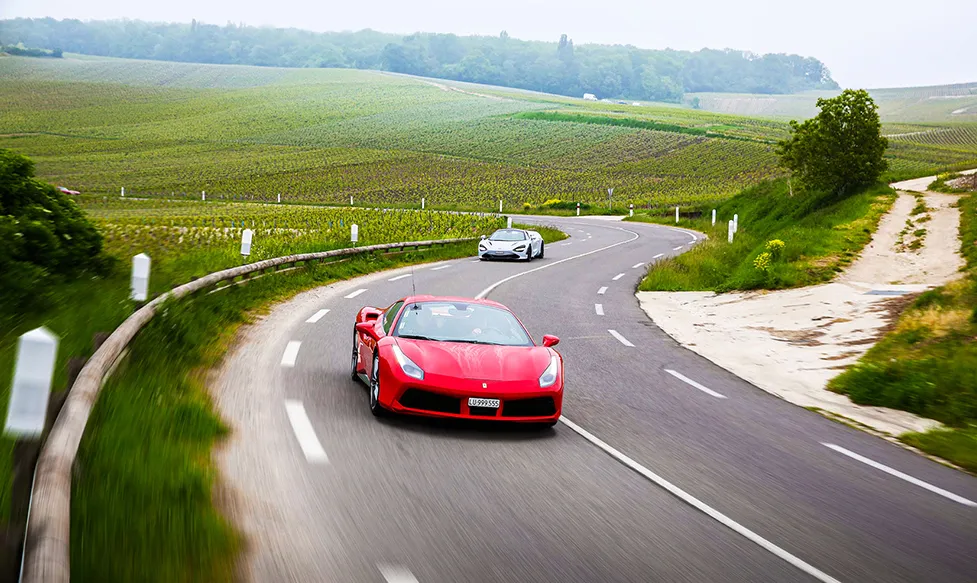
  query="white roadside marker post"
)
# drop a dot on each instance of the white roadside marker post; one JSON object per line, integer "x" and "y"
{"x": 713, "y": 217}
{"x": 729, "y": 231}
{"x": 578, "y": 209}
{"x": 500, "y": 205}
{"x": 203, "y": 195}
{"x": 351, "y": 200}
{"x": 354, "y": 233}
{"x": 279, "y": 197}
{"x": 631, "y": 210}
{"x": 123, "y": 192}
{"x": 139, "y": 288}
{"x": 246, "y": 236}
{"x": 508, "y": 223}
{"x": 27, "y": 413}
{"x": 736, "y": 223}
{"x": 676, "y": 215}
{"x": 422, "y": 203}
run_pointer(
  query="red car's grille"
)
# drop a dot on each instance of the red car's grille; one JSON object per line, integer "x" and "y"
{"x": 482, "y": 411}
{"x": 534, "y": 407}
{"x": 428, "y": 401}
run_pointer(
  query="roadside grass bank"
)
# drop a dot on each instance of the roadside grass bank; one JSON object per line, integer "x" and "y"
{"x": 143, "y": 490}
{"x": 928, "y": 364}
{"x": 783, "y": 240}
{"x": 549, "y": 234}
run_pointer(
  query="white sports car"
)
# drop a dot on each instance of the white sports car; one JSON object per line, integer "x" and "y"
{"x": 511, "y": 244}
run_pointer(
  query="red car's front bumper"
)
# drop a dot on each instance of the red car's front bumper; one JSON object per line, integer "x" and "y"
{"x": 520, "y": 401}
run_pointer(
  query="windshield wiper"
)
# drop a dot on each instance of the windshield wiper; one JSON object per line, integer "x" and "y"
{"x": 415, "y": 337}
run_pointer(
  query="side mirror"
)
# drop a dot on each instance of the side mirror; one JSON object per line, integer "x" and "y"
{"x": 371, "y": 313}
{"x": 550, "y": 340}
{"x": 484, "y": 237}
{"x": 368, "y": 329}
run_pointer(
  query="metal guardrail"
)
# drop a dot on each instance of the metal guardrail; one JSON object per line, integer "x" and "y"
{"x": 46, "y": 548}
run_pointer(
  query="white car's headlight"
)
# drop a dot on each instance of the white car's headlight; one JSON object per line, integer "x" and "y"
{"x": 520, "y": 248}
{"x": 482, "y": 248}
{"x": 549, "y": 375}
{"x": 407, "y": 365}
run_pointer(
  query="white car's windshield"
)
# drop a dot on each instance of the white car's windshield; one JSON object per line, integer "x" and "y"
{"x": 508, "y": 235}
{"x": 461, "y": 322}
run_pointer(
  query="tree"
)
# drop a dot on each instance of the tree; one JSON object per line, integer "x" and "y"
{"x": 842, "y": 148}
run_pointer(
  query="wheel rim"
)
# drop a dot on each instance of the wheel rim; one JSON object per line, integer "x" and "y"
{"x": 375, "y": 384}
{"x": 355, "y": 358}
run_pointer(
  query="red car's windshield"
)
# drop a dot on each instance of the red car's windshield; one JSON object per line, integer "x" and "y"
{"x": 461, "y": 322}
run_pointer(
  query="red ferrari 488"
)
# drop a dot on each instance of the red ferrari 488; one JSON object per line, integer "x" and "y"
{"x": 456, "y": 357}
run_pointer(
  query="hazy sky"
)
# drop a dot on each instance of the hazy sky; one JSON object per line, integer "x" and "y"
{"x": 865, "y": 43}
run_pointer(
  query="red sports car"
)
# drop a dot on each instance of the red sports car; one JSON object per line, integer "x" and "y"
{"x": 456, "y": 357}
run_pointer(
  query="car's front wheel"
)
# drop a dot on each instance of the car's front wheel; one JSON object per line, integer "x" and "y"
{"x": 542, "y": 250}
{"x": 375, "y": 407}
{"x": 355, "y": 360}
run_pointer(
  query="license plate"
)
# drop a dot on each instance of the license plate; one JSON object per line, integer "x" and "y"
{"x": 499, "y": 252}
{"x": 490, "y": 403}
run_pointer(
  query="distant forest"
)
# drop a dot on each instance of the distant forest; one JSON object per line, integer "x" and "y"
{"x": 607, "y": 71}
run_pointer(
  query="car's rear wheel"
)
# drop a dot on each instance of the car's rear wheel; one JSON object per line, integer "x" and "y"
{"x": 355, "y": 360}
{"x": 375, "y": 407}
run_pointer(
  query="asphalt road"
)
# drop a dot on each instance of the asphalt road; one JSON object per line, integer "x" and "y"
{"x": 666, "y": 468}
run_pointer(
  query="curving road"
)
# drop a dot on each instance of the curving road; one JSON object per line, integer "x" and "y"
{"x": 666, "y": 467}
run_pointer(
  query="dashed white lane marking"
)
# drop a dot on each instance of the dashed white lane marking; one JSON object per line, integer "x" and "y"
{"x": 489, "y": 289}
{"x": 567, "y": 243}
{"x": 677, "y": 248}
{"x": 900, "y": 475}
{"x": 622, "y": 339}
{"x": 618, "y": 276}
{"x": 356, "y": 293}
{"x": 304, "y": 433}
{"x": 701, "y": 506}
{"x": 637, "y": 265}
{"x": 442, "y": 267}
{"x": 659, "y": 255}
{"x": 291, "y": 353}
{"x": 599, "y": 308}
{"x": 317, "y": 316}
{"x": 602, "y": 290}
{"x": 393, "y": 574}
{"x": 588, "y": 234}
{"x": 399, "y": 277}
{"x": 691, "y": 382}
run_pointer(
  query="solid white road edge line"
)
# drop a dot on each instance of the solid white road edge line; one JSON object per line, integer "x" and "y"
{"x": 489, "y": 289}
{"x": 618, "y": 276}
{"x": 636, "y": 265}
{"x": 691, "y": 382}
{"x": 304, "y": 433}
{"x": 602, "y": 290}
{"x": 599, "y": 308}
{"x": 354, "y": 294}
{"x": 442, "y": 267}
{"x": 622, "y": 339}
{"x": 677, "y": 248}
{"x": 400, "y": 277}
{"x": 291, "y": 353}
{"x": 394, "y": 574}
{"x": 317, "y": 316}
{"x": 701, "y": 506}
{"x": 900, "y": 475}
{"x": 659, "y": 255}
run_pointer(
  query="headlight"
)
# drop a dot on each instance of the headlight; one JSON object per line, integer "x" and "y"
{"x": 549, "y": 375}
{"x": 520, "y": 248}
{"x": 407, "y": 365}
{"x": 482, "y": 248}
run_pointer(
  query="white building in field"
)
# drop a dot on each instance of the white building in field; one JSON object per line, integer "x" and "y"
{"x": 590, "y": 97}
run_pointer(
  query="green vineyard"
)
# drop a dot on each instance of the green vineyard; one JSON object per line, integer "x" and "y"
{"x": 175, "y": 130}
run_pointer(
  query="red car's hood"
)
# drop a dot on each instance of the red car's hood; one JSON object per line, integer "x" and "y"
{"x": 483, "y": 362}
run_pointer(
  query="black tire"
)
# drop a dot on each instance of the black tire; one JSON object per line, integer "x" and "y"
{"x": 374, "y": 389}
{"x": 529, "y": 253}
{"x": 542, "y": 250}
{"x": 354, "y": 358}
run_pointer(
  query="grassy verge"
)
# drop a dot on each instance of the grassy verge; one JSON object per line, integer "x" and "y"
{"x": 940, "y": 184}
{"x": 549, "y": 234}
{"x": 928, "y": 364}
{"x": 144, "y": 486}
{"x": 820, "y": 236}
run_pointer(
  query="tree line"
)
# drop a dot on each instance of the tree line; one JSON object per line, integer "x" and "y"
{"x": 607, "y": 71}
